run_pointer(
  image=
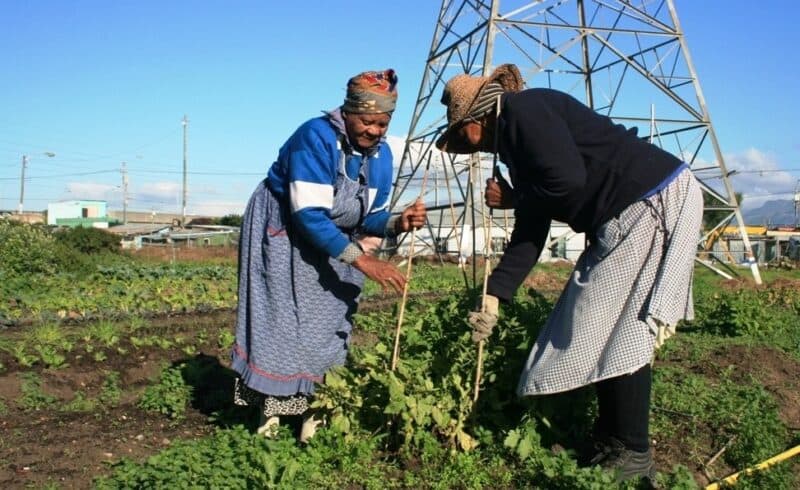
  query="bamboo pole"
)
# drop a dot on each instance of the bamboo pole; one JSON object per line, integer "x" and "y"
{"x": 401, "y": 314}
{"x": 458, "y": 233}
{"x": 487, "y": 247}
{"x": 487, "y": 250}
{"x": 760, "y": 466}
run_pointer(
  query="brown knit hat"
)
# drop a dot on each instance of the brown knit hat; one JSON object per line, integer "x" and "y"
{"x": 461, "y": 94}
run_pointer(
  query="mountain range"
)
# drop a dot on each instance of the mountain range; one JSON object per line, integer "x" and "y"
{"x": 775, "y": 213}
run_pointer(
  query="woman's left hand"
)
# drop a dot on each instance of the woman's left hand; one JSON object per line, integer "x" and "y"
{"x": 412, "y": 217}
{"x": 382, "y": 272}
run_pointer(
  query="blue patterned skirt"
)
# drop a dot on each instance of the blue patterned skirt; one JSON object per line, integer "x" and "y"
{"x": 296, "y": 303}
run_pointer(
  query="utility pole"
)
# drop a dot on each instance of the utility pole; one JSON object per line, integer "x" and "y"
{"x": 124, "y": 194}
{"x": 185, "y": 135}
{"x": 22, "y": 183}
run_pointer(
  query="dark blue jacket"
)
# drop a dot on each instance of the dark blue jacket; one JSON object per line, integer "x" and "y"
{"x": 571, "y": 164}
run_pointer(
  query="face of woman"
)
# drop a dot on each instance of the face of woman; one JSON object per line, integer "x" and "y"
{"x": 473, "y": 136}
{"x": 366, "y": 130}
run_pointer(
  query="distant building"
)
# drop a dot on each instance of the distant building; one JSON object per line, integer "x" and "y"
{"x": 89, "y": 214}
{"x": 132, "y": 234}
{"x": 138, "y": 235}
{"x": 769, "y": 244}
{"x": 441, "y": 236}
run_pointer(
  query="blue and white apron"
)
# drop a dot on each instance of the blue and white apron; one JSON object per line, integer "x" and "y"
{"x": 296, "y": 303}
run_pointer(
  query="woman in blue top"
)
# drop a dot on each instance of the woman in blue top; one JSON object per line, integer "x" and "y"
{"x": 640, "y": 208}
{"x": 301, "y": 257}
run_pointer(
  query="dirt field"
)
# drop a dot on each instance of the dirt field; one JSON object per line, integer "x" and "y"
{"x": 71, "y": 448}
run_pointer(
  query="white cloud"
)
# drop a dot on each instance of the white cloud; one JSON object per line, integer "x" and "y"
{"x": 160, "y": 188}
{"x": 759, "y": 178}
{"x": 168, "y": 197}
{"x": 216, "y": 208}
{"x": 156, "y": 196}
{"x": 89, "y": 190}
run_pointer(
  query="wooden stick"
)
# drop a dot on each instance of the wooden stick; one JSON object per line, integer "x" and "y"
{"x": 452, "y": 206}
{"x": 396, "y": 349}
{"x": 487, "y": 247}
{"x": 479, "y": 367}
{"x": 720, "y": 452}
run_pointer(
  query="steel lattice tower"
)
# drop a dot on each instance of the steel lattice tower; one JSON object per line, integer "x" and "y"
{"x": 628, "y": 60}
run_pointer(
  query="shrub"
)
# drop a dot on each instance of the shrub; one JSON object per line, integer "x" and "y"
{"x": 231, "y": 220}
{"x": 88, "y": 240}
{"x": 26, "y": 249}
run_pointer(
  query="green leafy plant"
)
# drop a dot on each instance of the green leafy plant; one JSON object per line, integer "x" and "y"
{"x": 33, "y": 398}
{"x": 225, "y": 339}
{"x": 21, "y": 354}
{"x": 79, "y": 403}
{"x": 111, "y": 390}
{"x": 169, "y": 396}
{"x": 51, "y": 357}
{"x": 105, "y": 332}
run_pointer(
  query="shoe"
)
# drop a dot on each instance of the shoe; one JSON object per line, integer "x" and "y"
{"x": 309, "y": 427}
{"x": 268, "y": 427}
{"x": 628, "y": 464}
{"x": 589, "y": 451}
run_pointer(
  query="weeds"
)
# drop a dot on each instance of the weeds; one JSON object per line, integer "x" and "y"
{"x": 170, "y": 396}
{"x": 110, "y": 391}
{"x": 33, "y": 398}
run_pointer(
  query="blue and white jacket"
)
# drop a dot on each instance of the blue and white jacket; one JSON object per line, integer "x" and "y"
{"x": 306, "y": 171}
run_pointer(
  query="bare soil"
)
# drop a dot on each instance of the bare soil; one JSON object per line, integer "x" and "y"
{"x": 166, "y": 253}
{"x": 70, "y": 449}
{"x": 778, "y": 373}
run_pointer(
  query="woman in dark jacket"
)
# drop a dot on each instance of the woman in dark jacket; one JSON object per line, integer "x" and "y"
{"x": 641, "y": 209}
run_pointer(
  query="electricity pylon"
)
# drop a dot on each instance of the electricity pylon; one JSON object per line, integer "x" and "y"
{"x": 628, "y": 60}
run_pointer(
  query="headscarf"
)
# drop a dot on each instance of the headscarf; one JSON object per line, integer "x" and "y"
{"x": 371, "y": 92}
{"x": 486, "y": 101}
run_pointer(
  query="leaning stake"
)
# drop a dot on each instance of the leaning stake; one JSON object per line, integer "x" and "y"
{"x": 487, "y": 251}
{"x": 396, "y": 350}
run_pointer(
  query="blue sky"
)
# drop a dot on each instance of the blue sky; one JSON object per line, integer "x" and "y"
{"x": 102, "y": 82}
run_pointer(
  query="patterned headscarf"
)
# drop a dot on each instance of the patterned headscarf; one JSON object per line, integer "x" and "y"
{"x": 371, "y": 92}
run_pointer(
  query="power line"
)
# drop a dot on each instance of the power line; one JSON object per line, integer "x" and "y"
{"x": 787, "y": 170}
{"x": 155, "y": 171}
{"x": 97, "y": 156}
{"x": 61, "y": 175}
{"x": 768, "y": 194}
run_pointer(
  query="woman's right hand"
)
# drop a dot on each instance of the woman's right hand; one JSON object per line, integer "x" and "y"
{"x": 382, "y": 272}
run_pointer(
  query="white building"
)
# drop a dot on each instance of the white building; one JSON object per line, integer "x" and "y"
{"x": 78, "y": 213}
